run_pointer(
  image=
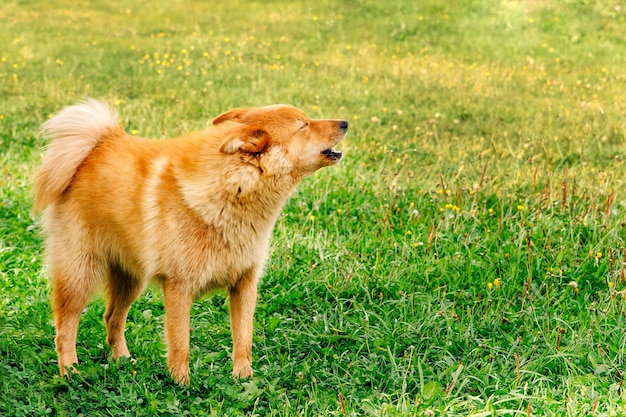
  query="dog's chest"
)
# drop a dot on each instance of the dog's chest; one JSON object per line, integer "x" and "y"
{"x": 227, "y": 257}
{"x": 206, "y": 255}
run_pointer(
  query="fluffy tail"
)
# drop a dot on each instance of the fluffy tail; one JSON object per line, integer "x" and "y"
{"x": 74, "y": 132}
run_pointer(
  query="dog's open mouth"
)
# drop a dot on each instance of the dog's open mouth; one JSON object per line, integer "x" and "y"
{"x": 332, "y": 154}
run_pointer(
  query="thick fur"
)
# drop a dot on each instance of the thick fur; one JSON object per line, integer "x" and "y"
{"x": 194, "y": 213}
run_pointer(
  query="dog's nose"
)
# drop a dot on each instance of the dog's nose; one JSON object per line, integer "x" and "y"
{"x": 343, "y": 125}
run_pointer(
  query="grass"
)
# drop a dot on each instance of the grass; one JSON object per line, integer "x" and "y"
{"x": 466, "y": 258}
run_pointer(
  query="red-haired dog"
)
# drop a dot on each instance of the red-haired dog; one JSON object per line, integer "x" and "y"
{"x": 194, "y": 213}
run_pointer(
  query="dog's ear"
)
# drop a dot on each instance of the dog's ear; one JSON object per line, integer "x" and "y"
{"x": 251, "y": 140}
{"x": 232, "y": 115}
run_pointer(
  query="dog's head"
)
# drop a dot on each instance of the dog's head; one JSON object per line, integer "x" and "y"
{"x": 281, "y": 139}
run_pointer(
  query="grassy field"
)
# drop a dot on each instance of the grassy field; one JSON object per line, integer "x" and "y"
{"x": 466, "y": 258}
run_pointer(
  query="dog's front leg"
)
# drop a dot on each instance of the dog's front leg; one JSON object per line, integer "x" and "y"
{"x": 242, "y": 303}
{"x": 177, "y": 311}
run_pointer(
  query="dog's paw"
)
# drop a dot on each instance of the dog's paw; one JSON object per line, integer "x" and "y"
{"x": 180, "y": 377}
{"x": 68, "y": 370}
{"x": 243, "y": 372}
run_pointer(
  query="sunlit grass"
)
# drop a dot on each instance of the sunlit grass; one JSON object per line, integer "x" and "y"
{"x": 467, "y": 257}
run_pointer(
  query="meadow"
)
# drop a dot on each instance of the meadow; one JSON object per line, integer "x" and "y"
{"x": 466, "y": 258}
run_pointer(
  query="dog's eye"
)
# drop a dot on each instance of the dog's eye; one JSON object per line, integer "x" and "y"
{"x": 304, "y": 124}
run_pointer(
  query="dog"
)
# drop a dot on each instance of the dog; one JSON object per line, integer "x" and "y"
{"x": 194, "y": 214}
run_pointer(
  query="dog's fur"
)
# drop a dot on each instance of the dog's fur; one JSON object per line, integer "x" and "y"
{"x": 194, "y": 213}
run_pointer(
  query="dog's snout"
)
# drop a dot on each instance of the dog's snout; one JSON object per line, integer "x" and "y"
{"x": 343, "y": 125}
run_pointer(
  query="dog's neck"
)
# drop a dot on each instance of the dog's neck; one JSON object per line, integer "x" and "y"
{"x": 238, "y": 196}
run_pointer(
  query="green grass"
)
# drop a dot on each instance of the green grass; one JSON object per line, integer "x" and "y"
{"x": 430, "y": 273}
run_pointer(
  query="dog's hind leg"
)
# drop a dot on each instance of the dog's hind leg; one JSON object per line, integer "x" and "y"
{"x": 71, "y": 290}
{"x": 121, "y": 290}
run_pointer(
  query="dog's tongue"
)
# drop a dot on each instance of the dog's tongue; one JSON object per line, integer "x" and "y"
{"x": 332, "y": 154}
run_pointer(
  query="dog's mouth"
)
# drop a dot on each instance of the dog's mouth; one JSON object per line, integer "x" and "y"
{"x": 332, "y": 154}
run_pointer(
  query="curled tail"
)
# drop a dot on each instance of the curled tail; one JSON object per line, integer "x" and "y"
{"x": 74, "y": 132}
